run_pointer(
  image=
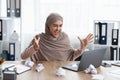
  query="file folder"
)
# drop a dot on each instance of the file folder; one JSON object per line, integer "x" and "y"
{"x": 8, "y": 8}
{"x": 17, "y": 8}
{"x": 113, "y": 55}
{"x": 12, "y": 51}
{"x": 96, "y": 39}
{"x": 1, "y": 29}
{"x": 103, "y": 33}
{"x": 115, "y": 35}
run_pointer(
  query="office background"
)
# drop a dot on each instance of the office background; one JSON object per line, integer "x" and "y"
{"x": 79, "y": 16}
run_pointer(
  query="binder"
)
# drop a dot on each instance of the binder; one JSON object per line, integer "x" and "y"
{"x": 12, "y": 51}
{"x": 103, "y": 33}
{"x": 17, "y": 8}
{"x": 8, "y": 8}
{"x": 1, "y": 29}
{"x": 113, "y": 51}
{"x": 115, "y": 33}
{"x": 119, "y": 53}
{"x": 12, "y": 7}
{"x": 96, "y": 39}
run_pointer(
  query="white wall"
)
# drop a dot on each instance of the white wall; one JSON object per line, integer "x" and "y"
{"x": 28, "y": 22}
{"x": 78, "y": 15}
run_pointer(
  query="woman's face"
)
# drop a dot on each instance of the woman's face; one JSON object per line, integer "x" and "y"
{"x": 56, "y": 28}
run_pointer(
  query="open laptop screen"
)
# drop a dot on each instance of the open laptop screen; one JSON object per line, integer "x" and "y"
{"x": 93, "y": 57}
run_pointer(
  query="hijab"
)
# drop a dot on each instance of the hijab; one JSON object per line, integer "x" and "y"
{"x": 52, "y": 48}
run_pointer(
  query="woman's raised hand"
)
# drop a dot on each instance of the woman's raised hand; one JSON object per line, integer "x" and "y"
{"x": 36, "y": 43}
{"x": 84, "y": 42}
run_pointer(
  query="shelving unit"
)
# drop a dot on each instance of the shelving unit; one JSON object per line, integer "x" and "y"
{"x": 107, "y": 34}
{"x": 11, "y": 23}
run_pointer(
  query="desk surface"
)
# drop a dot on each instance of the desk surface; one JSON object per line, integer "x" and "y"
{"x": 48, "y": 73}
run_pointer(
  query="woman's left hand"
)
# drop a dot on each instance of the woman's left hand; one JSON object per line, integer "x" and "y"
{"x": 84, "y": 42}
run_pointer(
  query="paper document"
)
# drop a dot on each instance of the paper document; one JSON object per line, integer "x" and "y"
{"x": 4, "y": 66}
{"x": 19, "y": 68}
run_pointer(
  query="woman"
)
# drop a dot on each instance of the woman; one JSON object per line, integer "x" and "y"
{"x": 54, "y": 44}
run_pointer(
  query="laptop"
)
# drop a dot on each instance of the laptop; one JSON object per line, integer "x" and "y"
{"x": 93, "y": 57}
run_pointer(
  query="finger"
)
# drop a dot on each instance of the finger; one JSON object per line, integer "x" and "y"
{"x": 35, "y": 39}
{"x": 78, "y": 37}
{"x": 89, "y": 35}
{"x": 38, "y": 38}
{"x": 90, "y": 41}
{"x": 81, "y": 41}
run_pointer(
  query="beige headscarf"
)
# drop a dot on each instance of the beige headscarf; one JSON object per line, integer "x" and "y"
{"x": 52, "y": 48}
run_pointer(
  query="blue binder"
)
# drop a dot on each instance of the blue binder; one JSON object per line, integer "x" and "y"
{"x": 103, "y": 33}
{"x": 0, "y": 29}
{"x": 12, "y": 51}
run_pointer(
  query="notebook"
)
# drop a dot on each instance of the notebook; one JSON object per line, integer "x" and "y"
{"x": 93, "y": 57}
{"x": 4, "y": 66}
{"x": 19, "y": 68}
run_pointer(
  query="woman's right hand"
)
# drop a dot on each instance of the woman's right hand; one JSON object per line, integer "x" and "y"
{"x": 36, "y": 43}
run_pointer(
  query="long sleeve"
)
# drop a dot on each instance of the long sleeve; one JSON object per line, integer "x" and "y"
{"x": 29, "y": 51}
{"x": 77, "y": 53}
